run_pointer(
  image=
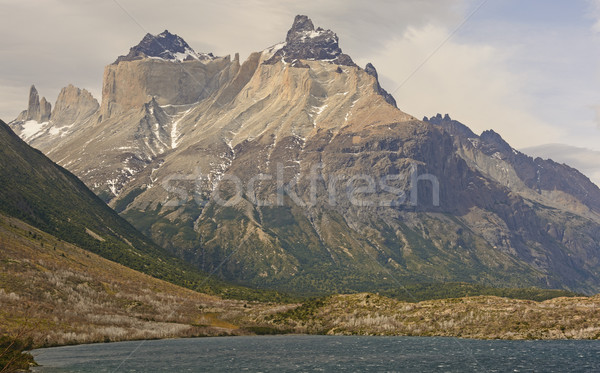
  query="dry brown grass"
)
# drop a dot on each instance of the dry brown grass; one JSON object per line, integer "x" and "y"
{"x": 67, "y": 295}
{"x": 484, "y": 317}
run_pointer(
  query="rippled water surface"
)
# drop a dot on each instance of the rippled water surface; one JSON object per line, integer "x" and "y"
{"x": 324, "y": 354}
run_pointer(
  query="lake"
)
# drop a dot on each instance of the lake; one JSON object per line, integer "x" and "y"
{"x": 323, "y": 354}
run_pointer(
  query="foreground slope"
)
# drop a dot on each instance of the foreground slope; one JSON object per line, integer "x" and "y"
{"x": 295, "y": 170}
{"x": 58, "y": 293}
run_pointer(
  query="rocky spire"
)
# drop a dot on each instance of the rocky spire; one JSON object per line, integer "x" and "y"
{"x": 33, "y": 107}
{"x": 45, "y": 110}
{"x": 304, "y": 42}
{"x": 302, "y": 24}
{"x": 38, "y": 110}
{"x": 370, "y": 69}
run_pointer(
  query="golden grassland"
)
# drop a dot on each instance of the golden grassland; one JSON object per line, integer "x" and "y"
{"x": 61, "y": 294}
{"x": 482, "y": 317}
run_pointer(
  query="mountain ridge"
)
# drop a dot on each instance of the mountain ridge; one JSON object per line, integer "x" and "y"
{"x": 219, "y": 174}
{"x": 544, "y": 171}
{"x": 583, "y": 159}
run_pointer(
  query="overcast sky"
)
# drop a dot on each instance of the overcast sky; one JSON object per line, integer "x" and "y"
{"x": 529, "y": 69}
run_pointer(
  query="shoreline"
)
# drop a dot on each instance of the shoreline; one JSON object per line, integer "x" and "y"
{"x": 469, "y": 318}
{"x": 282, "y": 335}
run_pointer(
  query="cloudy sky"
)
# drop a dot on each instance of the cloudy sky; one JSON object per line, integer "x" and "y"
{"x": 529, "y": 69}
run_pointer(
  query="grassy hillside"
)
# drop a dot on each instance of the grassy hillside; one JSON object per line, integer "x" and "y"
{"x": 58, "y": 293}
{"x": 45, "y": 195}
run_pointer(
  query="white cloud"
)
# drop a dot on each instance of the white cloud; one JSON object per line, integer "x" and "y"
{"x": 471, "y": 82}
{"x": 594, "y": 13}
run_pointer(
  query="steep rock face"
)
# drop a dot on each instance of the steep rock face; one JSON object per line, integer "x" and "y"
{"x": 128, "y": 149}
{"x": 45, "y": 111}
{"x": 234, "y": 103}
{"x": 332, "y": 232}
{"x": 148, "y": 71}
{"x": 143, "y": 101}
{"x": 564, "y": 200}
{"x": 304, "y": 42}
{"x": 129, "y": 84}
{"x": 33, "y": 106}
{"x": 73, "y": 105}
{"x": 295, "y": 170}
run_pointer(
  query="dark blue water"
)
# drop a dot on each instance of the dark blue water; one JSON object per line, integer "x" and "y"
{"x": 324, "y": 354}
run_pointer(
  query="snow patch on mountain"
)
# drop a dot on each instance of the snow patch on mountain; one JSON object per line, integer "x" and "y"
{"x": 32, "y": 129}
{"x": 174, "y": 131}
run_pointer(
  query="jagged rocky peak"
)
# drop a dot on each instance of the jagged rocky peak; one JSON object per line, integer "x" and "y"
{"x": 370, "y": 69}
{"x": 494, "y": 139}
{"x": 302, "y": 25}
{"x": 438, "y": 119}
{"x": 38, "y": 110}
{"x": 489, "y": 142}
{"x": 166, "y": 46}
{"x": 45, "y": 110}
{"x": 453, "y": 127}
{"x": 72, "y": 91}
{"x": 304, "y": 42}
{"x": 33, "y": 106}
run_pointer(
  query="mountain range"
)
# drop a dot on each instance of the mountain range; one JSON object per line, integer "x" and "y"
{"x": 296, "y": 170}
